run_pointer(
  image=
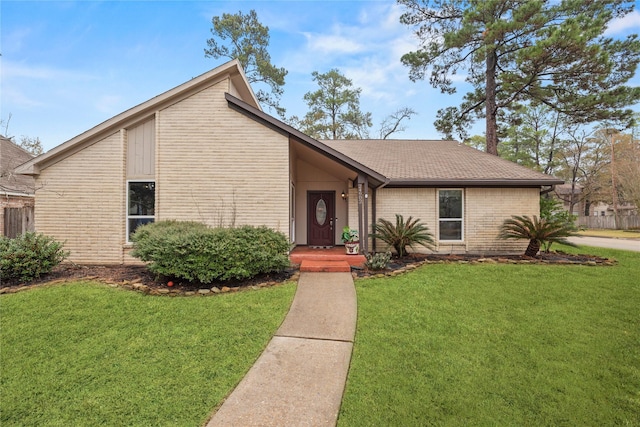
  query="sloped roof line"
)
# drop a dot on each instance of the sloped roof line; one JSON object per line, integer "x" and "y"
{"x": 316, "y": 145}
{"x": 231, "y": 69}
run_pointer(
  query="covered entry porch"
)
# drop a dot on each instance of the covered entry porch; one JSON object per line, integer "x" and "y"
{"x": 329, "y": 191}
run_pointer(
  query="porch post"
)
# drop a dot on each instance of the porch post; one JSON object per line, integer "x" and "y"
{"x": 363, "y": 212}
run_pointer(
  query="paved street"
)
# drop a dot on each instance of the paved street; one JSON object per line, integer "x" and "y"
{"x": 602, "y": 242}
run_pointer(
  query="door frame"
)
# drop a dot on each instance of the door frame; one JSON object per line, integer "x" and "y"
{"x": 330, "y": 215}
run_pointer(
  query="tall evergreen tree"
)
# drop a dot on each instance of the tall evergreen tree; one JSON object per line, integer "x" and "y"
{"x": 248, "y": 41}
{"x": 334, "y": 109}
{"x": 513, "y": 51}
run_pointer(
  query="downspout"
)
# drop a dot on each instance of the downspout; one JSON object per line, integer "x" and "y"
{"x": 548, "y": 190}
{"x": 373, "y": 214}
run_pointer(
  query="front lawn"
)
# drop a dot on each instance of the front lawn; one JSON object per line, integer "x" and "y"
{"x": 498, "y": 345}
{"x": 84, "y": 354}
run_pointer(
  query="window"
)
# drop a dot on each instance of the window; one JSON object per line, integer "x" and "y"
{"x": 450, "y": 214}
{"x": 141, "y": 200}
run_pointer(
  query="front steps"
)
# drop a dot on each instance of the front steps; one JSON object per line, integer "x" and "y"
{"x": 325, "y": 266}
{"x": 330, "y": 260}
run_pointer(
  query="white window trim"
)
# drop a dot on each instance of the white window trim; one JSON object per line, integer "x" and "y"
{"x": 461, "y": 219}
{"x": 127, "y": 216}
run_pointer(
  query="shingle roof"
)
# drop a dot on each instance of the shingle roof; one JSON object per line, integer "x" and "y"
{"x": 419, "y": 162}
{"x": 11, "y": 156}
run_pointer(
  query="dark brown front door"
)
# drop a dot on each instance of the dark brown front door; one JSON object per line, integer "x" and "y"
{"x": 320, "y": 215}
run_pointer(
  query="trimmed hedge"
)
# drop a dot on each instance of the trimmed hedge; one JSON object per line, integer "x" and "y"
{"x": 29, "y": 256}
{"x": 194, "y": 252}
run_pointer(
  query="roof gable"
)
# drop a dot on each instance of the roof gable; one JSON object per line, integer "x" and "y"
{"x": 231, "y": 70}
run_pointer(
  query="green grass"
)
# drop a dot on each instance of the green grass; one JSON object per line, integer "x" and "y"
{"x": 498, "y": 345}
{"x": 84, "y": 354}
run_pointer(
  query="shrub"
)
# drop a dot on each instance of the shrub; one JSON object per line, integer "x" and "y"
{"x": 194, "y": 252}
{"x": 403, "y": 234}
{"x": 552, "y": 210}
{"x": 29, "y": 256}
{"x": 378, "y": 261}
{"x": 537, "y": 230}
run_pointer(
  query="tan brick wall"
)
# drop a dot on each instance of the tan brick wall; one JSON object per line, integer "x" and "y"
{"x": 484, "y": 211}
{"x": 213, "y": 161}
{"x": 80, "y": 201}
{"x": 487, "y": 208}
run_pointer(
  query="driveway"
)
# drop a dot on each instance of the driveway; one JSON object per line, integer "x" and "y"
{"x": 603, "y": 242}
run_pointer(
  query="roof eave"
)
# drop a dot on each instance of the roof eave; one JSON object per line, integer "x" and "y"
{"x": 473, "y": 182}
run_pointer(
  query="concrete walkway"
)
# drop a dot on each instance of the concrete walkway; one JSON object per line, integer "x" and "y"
{"x": 300, "y": 377}
{"x": 604, "y": 242}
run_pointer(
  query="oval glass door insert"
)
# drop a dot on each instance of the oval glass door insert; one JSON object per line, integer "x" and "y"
{"x": 321, "y": 212}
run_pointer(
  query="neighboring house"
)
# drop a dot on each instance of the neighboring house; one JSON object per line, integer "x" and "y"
{"x": 594, "y": 208}
{"x": 16, "y": 191}
{"x": 205, "y": 151}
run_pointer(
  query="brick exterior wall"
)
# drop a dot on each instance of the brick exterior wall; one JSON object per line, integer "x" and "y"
{"x": 80, "y": 201}
{"x": 212, "y": 164}
{"x": 215, "y": 164}
{"x": 484, "y": 211}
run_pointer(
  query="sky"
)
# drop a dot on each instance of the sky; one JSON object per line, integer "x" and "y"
{"x": 68, "y": 66}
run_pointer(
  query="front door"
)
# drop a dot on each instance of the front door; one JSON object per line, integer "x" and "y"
{"x": 320, "y": 216}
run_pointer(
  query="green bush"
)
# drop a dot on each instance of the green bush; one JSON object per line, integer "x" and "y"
{"x": 403, "y": 234}
{"x": 194, "y": 252}
{"x": 29, "y": 256}
{"x": 378, "y": 261}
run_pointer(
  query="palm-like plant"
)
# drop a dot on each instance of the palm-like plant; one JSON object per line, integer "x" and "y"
{"x": 403, "y": 234}
{"x": 537, "y": 230}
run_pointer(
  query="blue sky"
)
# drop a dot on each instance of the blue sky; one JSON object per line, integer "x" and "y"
{"x": 68, "y": 66}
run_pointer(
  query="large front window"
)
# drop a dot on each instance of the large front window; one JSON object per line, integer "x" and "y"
{"x": 450, "y": 215}
{"x": 141, "y": 200}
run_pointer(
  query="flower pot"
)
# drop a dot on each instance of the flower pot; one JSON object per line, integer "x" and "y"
{"x": 352, "y": 248}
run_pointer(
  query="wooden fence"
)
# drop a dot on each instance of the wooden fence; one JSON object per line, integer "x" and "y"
{"x": 18, "y": 221}
{"x": 626, "y": 222}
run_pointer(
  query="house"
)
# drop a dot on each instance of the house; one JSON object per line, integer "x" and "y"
{"x": 205, "y": 151}
{"x": 16, "y": 191}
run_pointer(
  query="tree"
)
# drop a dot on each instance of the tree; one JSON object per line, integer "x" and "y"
{"x": 334, "y": 109}
{"x": 31, "y": 144}
{"x": 532, "y": 137}
{"x": 584, "y": 158}
{"x": 393, "y": 122}
{"x": 544, "y": 52}
{"x": 627, "y": 155}
{"x": 248, "y": 41}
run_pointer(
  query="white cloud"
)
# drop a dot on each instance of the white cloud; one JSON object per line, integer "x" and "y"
{"x": 23, "y": 71}
{"x": 332, "y": 44}
{"x": 15, "y": 97}
{"x": 630, "y": 21}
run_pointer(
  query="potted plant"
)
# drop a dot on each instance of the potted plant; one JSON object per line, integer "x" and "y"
{"x": 351, "y": 240}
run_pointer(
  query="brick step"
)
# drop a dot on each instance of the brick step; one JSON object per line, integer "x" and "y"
{"x": 357, "y": 260}
{"x": 330, "y": 266}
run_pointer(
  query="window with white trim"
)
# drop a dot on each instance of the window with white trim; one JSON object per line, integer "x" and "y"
{"x": 141, "y": 201}
{"x": 450, "y": 215}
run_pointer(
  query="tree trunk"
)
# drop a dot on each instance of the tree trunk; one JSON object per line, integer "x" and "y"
{"x": 533, "y": 248}
{"x": 490, "y": 104}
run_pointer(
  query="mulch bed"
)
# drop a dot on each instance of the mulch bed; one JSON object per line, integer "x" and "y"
{"x": 400, "y": 265}
{"x": 137, "y": 277}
